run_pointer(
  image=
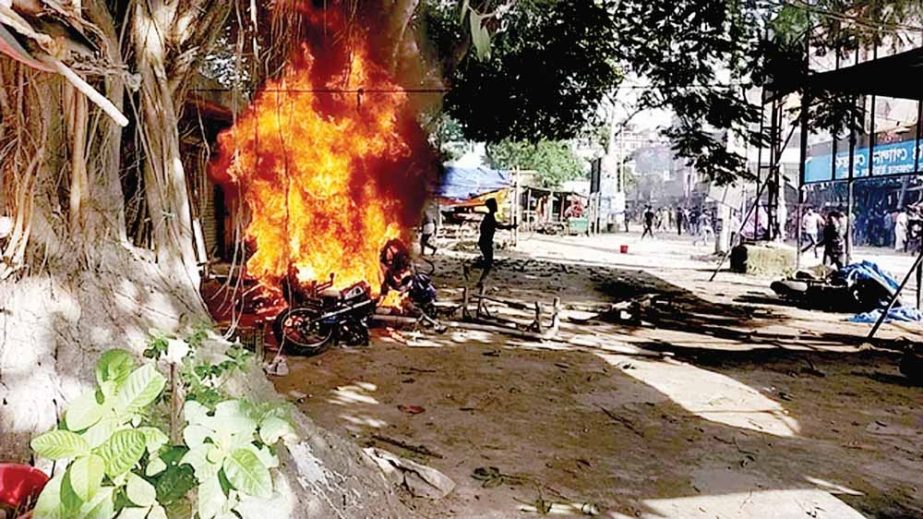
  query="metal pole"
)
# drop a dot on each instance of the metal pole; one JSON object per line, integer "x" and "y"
{"x": 849, "y": 221}
{"x": 772, "y": 178}
{"x": 919, "y": 284}
{"x": 802, "y": 166}
{"x": 743, "y": 221}
{"x": 517, "y": 207}
{"x": 759, "y": 164}
{"x": 851, "y": 176}
{"x": 897, "y": 293}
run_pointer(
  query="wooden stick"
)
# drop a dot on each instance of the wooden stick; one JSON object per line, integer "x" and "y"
{"x": 465, "y": 303}
{"x": 419, "y": 449}
{"x": 555, "y": 316}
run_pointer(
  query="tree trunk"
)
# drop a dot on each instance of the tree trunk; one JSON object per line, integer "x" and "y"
{"x": 164, "y": 176}
{"x": 72, "y": 286}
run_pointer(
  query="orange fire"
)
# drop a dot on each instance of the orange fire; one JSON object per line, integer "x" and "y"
{"x": 327, "y": 161}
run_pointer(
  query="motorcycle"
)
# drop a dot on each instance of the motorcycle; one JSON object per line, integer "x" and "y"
{"x": 320, "y": 315}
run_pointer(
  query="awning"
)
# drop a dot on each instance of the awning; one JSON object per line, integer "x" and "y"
{"x": 460, "y": 184}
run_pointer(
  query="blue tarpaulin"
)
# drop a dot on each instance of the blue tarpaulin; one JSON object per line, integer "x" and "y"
{"x": 465, "y": 183}
{"x": 866, "y": 270}
{"x": 902, "y": 314}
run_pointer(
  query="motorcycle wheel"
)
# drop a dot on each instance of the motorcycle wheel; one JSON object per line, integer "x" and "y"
{"x": 299, "y": 330}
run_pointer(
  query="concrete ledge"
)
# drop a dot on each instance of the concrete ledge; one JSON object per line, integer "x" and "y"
{"x": 771, "y": 259}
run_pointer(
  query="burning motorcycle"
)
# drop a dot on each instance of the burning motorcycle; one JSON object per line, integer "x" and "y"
{"x": 320, "y": 315}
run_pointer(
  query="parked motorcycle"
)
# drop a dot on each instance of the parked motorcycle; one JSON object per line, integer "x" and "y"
{"x": 320, "y": 315}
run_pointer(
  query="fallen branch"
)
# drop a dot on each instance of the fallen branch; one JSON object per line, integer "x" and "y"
{"x": 622, "y": 420}
{"x": 419, "y": 449}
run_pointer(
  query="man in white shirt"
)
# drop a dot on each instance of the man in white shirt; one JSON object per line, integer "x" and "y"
{"x": 901, "y": 221}
{"x": 811, "y": 225}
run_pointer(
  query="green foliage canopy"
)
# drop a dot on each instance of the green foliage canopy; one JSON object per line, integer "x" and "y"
{"x": 554, "y": 161}
{"x": 554, "y": 62}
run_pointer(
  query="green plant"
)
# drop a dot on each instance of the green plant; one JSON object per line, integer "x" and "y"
{"x": 201, "y": 380}
{"x": 229, "y": 449}
{"x": 105, "y": 439}
{"x": 119, "y": 463}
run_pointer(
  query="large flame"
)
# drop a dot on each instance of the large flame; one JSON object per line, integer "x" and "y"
{"x": 324, "y": 162}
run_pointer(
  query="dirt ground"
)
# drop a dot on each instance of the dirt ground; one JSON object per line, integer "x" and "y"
{"x": 720, "y": 403}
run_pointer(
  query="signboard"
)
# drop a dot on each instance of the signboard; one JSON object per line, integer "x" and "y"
{"x": 896, "y": 158}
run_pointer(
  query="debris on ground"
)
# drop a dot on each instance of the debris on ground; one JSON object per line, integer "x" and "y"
{"x": 418, "y": 479}
{"x": 418, "y": 449}
{"x": 491, "y": 477}
{"x": 411, "y": 409}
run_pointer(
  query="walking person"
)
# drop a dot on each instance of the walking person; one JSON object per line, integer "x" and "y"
{"x": 427, "y": 231}
{"x": 901, "y": 221}
{"x": 834, "y": 240}
{"x": 489, "y": 226}
{"x": 648, "y": 222}
{"x": 888, "y": 231}
{"x": 811, "y": 225}
{"x": 706, "y": 233}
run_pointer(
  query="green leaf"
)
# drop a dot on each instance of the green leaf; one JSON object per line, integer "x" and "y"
{"x": 154, "y": 467}
{"x": 479, "y": 35}
{"x": 464, "y": 10}
{"x": 122, "y": 451}
{"x": 102, "y": 506}
{"x": 141, "y": 388}
{"x": 195, "y": 435}
{"x": 139, "y": 491}
{"x": 194, "y": 412}
{"x": 248, "y": 474}
{"x": 83, "y": 412}
{"x": 157, "y": 512}
{"x": 265, "y": 455}
{"x": 48, "y": 505}
{"x": 155, "y": 438}
{"x": 211, "y": 498}
{"x": 114, "y": 366}
{"x": 56, "y": 445}
{"x": 197, "y": 458}
{"x": 86, "y": 475}
{"x": 173, "y": 455}
{"x": 70, "y": 501}
{"x": 101, "y": 431}
{"x": 130, "y": 512}
{"x": 274, "y": 428}
{"x": 174, "y": 484}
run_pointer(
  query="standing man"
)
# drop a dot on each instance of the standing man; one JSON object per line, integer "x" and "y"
{"x": 734, "y": 229}
{"x": 810, "y": 226}
{"x": 680, "y": 220}
{"x": 704, "y": 230}
{"x": 835, "y": 240}
{"x": 648, "y": 222}
{"x": 900, "y": 231}
{"x": 887, "y": 232}
{"x": 489, "y": 226}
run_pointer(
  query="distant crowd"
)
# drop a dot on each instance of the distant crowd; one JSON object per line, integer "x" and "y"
{"x": 876, "y": 228}
{"x": 697, "y": 222}
{"x": 897, "y": 229}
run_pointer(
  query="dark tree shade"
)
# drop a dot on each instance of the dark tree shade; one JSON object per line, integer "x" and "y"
{"x": 554, "y": 61}
{"x": 546, "y": 76}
